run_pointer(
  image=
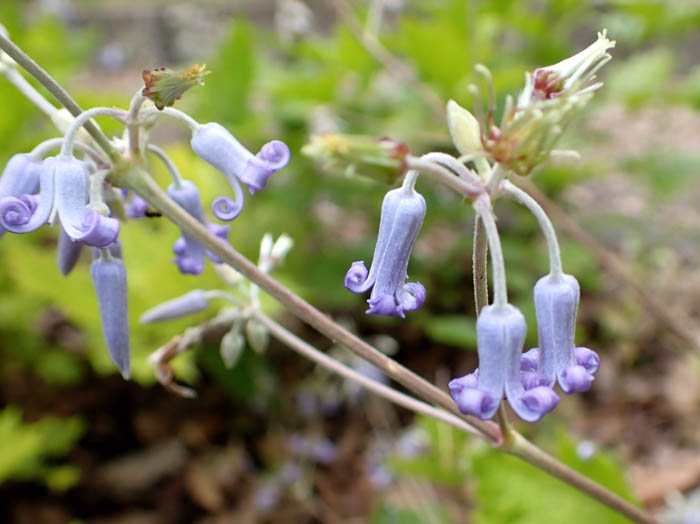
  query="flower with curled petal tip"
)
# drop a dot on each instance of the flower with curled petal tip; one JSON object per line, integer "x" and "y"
{"x": 190, "y": 253}
{"x": 63, "y": 183}
{"x": 556, "y": 302}
{"x": 500, "y": 336}
{"x": 20, "y": 176}
{"x": 403, "y": 210}
{"x": 109, "y": 279}
{"x": 214, "y": 144}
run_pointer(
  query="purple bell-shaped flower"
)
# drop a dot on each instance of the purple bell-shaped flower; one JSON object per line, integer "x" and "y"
{"x": 500, "y": 337}
{"x": 190, "y": 253}
{"x": 557, "y": 358}
{"x": 214, "y": 144}
{"x": 403, "y": 210}
{"x": 63, "y": 183}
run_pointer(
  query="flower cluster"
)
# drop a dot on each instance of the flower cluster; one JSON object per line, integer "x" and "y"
{"x": 78, "y": 191}
{"x": 525, "y": 139}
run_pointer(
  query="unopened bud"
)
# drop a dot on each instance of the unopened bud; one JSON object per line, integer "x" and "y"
{"x": 464, "y": 129}
{"x": 232, "y": 345}
{"x": 257, "y": 335}
{"x": 164, "y": 86}
{"x": 382, "y": 159}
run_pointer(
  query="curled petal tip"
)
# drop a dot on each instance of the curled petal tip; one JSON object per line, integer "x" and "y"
{"x": 14, "y": 212}
{"x": 275, "y": 154}
{"x": 587, "y": 358}
{"x": 475, "y": 402}
{"x": 470, "y": 380}
{"x": 384, "y": 305}
{"x": 356, "y": 277}
{"x": 413, "y": 296}
{"x": 98, "y": 230}
{"x": 190, "y": 265}
{"x": 575, "y": 379}
{"x": 226, "y": 209}
{"x": 529, "y": 360}
{"x": 536, "y": 403}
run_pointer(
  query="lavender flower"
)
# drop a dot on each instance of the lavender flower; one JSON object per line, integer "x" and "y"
{"x": 190, "y": 253}
{"x": 500, "y": 336}
{"x": 213, "y": 143}
{"x": 20, "y": 176}
{"x": 63, "y": 183}
{"x": 109, "y": 278}
{"x": 403, "y": 210}
{"x": 556, "y": 302}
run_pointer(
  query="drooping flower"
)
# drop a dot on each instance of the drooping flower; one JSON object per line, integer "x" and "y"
{"x": 109, "y": 279}
{"x": 403, "y": 210}
{"x": 557, "y": 359}
{"x": 190, "y": 253}
{"x": 20, "y": 177}
{"x": 63, "y": 184}
{"x": 214, "y": 144}
{"x": 500, "y": 336}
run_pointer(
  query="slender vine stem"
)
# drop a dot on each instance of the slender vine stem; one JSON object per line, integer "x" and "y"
{"x": 31, "y": 67}
{"x": 82, "y": 120}
{"x": 482, "y": 206}
{"x": 550, "y": 235}
{"x": 304, "y": 348}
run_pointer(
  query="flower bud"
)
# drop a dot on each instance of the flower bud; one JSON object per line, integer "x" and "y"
{"x": 381, "y": 159}
{"x": 257, "y": 335}
{"x": 464, "y": 129}
{"x": 164, "y": 86}
{"x": 68, "y": 252}
{"x": 109, "y": 279}
{"x": 232, "y": 345}
{"x": 187, "y": 304}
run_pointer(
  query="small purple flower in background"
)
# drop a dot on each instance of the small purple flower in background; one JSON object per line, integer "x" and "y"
{"x": 214, "y": 144}
{"x": 557, "y": 358}
{"x": 190, "y": 253}
{"x": 500, "y": 337}
{"x": 109, "y": 278}
{"x": 136, "y": 207}
{"x": 63, "y": 184}
{"x": 403, "y": 210}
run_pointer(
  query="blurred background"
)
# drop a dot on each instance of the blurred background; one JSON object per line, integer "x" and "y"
{"x": 275, "y": 440}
